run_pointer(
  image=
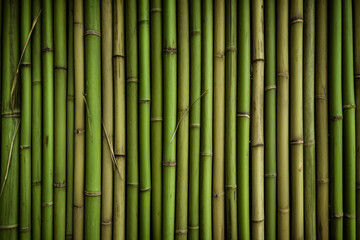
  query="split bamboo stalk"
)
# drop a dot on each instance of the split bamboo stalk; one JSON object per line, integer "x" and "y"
{"x": 170, "y": 103}
{"x": 132, "y": 169}
{"x": 321, "y": 127}
{"x": 182, "y": 134}
{"x": 36, "y": 124}
{"x": 335, "y": 120}
{"x": 309, "y": 121}
{"x": 156, "y": 116}
{"x": 206, "y": 133}
{"x": 93, "y": 119}
{"x": 60, "y": 79}
{"x": 120, "y": 120}
{"x": 9, "y": 175}
{"x": 282, "y": 120}
{"x": 195, "y": 116}
{"x": 230, "y": 118}
{"x": 270, "y": 119}
{"x": 349, "y": 123}
{"x": 218, "y": 191}
{"x": 257, "y": 127}
{"x": 144, "y": 119}
{"x": 48, "y": 120}
{"x": 243, "y": 119}
{"x": 107, "y": 119}
{"x": 79, "y": 133}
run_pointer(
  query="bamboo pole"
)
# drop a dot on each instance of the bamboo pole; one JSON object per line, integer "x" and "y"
{"x": 195, "y": 117}
{"x": 170, "y": 103}
{"x": 243, "y": 119}
{"x": 36, "y": 124}
{"x": 119, "y": 120}
{"x": 10, "y": 114}
{"x": 218, "y": 190}
{"x": 257, "y": 127}
{"x": 156, "y": 115}
{"x": 107, "y": 119}
{"x": 48, "y": 120}
{"x": 349, "y": 123}
{"x": 270, "y": 119}
{"x": 282, "y": 120}
{"x": 230, "y": 118}
{"x": 132, "y": 176}
{"x": 70, "y": 126}
{"x": 93, "y": 119}
{"x": 309, "y": 121}
{"x": 335, "y": 120}
{"x": 79, "y": 133}
{"x": 321, "y": 127}
{"x": 182, "y": 148}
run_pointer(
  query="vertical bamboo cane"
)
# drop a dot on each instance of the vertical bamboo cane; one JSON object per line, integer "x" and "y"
{"x": 257, "y": 127}
{"x": 309, "y": 120}
{"x": 25, "y": 134}
{"x": 335, "y": 120}
{"x": 48, "y": 120}
{"x": 349, "y": 123}
{"x": 195, "y": 116}
{"x": 132, "y": 173}
{"x": 282, "y": 120}
{"x": 107, "y": 119}
{"x": 321, "y": 127}
{"x": 36, "y": 121}
{"x": 79, "y": 136}
{"x": 120, "y": 120}
{"x": 9, "y": 194}
{"x": 182, "y": 134}
{"x": 270, "y": 120}
{"x": 93, "y": 119}
{"x": 230, "y": 118}
{"x": 218, "y": 197}
{"x": 170, "y": 97}
{"x": 156, "y": 116}
{"x": 243, "y": 119}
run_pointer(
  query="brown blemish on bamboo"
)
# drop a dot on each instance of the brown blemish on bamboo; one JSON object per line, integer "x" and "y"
{"x": 92, "y": 194}
{"x": 196, "y": 32}
{"x": 169, "y": 50}
{"x": 24, "y": 229}
{"x": 5, "y": 227}
{"x": 79, "y": 131}
{"x": 217, "y": 195}
{"x": 92, "y": 32}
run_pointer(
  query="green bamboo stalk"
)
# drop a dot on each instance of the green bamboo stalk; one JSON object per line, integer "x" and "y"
{"x": 25, "y": 133}
{"x": 282, "y": 120}
{"x": 48, "y": 120}
{"x": 257, "y": 127}
{"x": 270, "y": 119}
{"x": 9, "y": 194}
{"x": 230, "y": 119}
{"x": 170, "y": 97}
{"x": 321, "y": 127}
{"x": 120, "y": 120}
{"x": 93, "y": 119}
{"x": 60, "y": 79}
{"x": 195, "y": 116}
{"x": 349, "y": 123}
{"x": 182, "y": 134}
{"x": 243, "y": 119}
{"x": 218, "y": 190}
{"x": 144, "y": 119}
{"x": 36, "y": 124}
{"x": 79, "y": 133}
{"x": 336, "y": 123}
{"x": 107, "y": 119}
{"x": 156, "y": 115}
{"x": 70, "y": 126}
{"x": 309, "y": 120}
{"x": 206, "y": 131}
{"x": 356, "y": 9}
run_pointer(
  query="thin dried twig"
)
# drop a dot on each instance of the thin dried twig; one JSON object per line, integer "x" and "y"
{"x": 111, "y": 148}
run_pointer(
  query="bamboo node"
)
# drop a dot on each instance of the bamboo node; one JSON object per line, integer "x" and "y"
{"x": 181, "y": 231}
{"x": 36, "y": 183}
{"x": 349, "y": 106}
{"x": 70, "y": 97}
{"x": 106, "y": 223}
{"x": 11, "y": 115}
{"x": 296, "y": 20}
{"x": 25, "y": 229}
{"x": 145, "y": 101}
{"x": 132, "y": 184}
{"x": 217, "y": 195}
{"x": 132, "y": 80}
{"x": 323, "y": 180}
{"x": 283, "y": 74}
{"x": 219, "y": 55}
{"x": 25, "y": 64}
{"x": 338, "y": 215}
{"x": 258, "y": 59}
{"x": 92, "y": 32}
{"x": 296, "y": 141}
{"x": 195, "y": 32}
{"x": 283, "y": 210}
{"x": 47, "y": 49}
{"x": 120, "y": 155}
{"x": 358, "y": 186}
{"x": 270, "y": 87}
{"x": 309, "y": 143}
{"x": 207, "y": 154}
{"x": 145, "y": 189}
{"x": 169, "y": 50}
{"x": 357, "y": 76}
{"x": 35, "y": 82}
{"x": 143, "y": 21}
{"x": 155, "y": 10}
{"x": 23, "y": 147}
{"x": 118, "y": 56}
{"x": 168, "y": 164}
{"x": 79, "y": 131}
{"x": 258, "y": 145}
{"x": 257, "y": 220}
{"x": 230, "y": 186}
{"x": 59, "y": 185}
{"x": 321, "y": 97}
{"x": 349, "y": 216}
{"x": 48, "y": 204}
{"x": 272, "y": 175}
{"x": 335, "y": 118}
{"x": 92, "y": 194}
{"x": 5, "y": 227}
{"x": 78, "y": 206}
{"x": 60, "y": 68}
{"x": 194, "y": 125}
{"x": 193, "y": 227}
{"x": 231, "y": 49}
{"x": 156, "y": 119}
{"x": 243, "y": 114}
